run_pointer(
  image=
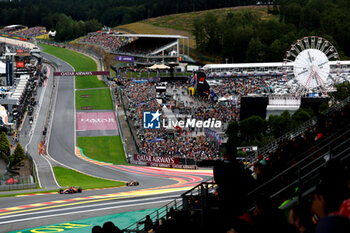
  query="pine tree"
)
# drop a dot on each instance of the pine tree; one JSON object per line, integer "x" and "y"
{"x": 17, "y": 156}
{"x": 4, "y": 144}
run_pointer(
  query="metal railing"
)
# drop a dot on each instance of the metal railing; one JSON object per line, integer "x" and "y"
{"x": 156, "y": 215}
{"x": 127, "y": 119}
{"x": 14, "y": 182}
{"x": 200, "y": 198}
{"x": 306, "y": 173}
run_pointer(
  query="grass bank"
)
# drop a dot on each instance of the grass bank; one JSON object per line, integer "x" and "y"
{"x": 79, "y": 62}
{"x": 103, "y": 148}
{"x": 95, "y": 98}
{"x": 66, "y": 177}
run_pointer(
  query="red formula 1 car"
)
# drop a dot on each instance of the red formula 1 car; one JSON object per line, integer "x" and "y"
{"x": 70, "y": 190}
{"x": 132, "y": 183}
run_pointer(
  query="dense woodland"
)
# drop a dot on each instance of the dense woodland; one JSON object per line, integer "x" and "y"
{"x": 240, "y": 36}
{"x": 72, "y": 19}
{"x": 244, "y": 37}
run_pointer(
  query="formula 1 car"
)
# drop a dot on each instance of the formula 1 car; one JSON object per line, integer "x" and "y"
{"x": 70, "y": 190}
{"x": 132, "y": 183}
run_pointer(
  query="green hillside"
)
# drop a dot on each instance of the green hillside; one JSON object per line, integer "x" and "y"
{"x": 182, "y": 24}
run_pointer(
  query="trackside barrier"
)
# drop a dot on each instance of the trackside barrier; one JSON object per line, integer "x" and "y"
{"x": 15, "y": 182}
{"x": 49, "y": 116}
{"x": 9, "y": 187}
{"x": 121, "y": 130}
{"x": 127, "y": 120}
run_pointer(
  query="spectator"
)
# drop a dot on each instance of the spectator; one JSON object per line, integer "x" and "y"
{"x": 109, "y": 227}
{"x": 148, "y": 223}
{"x": 97, "y": 229}
{"x": 300, "y": 217}
{"x": 267, "y": 218}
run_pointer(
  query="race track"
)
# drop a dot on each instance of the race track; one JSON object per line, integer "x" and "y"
{"x": 157, "y": 185}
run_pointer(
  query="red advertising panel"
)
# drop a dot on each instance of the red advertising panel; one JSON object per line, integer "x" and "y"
{"x": 20, "y": 64}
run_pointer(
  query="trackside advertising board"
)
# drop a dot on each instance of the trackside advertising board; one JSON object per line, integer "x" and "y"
{"x": 157, "y": 161}
{"x": 80, "y": 73}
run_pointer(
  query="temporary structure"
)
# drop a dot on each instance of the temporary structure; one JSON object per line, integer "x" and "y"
{"x": 159, "y": 66}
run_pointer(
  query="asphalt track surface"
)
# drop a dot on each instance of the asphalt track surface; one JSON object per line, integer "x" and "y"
{"x": 157, "y": 186}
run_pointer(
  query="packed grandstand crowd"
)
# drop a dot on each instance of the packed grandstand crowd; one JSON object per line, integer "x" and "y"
{"x": 144, "y": 46}
{"x": 113, "y": 42}
{"x": 108, "y": 41}
{"x": 141, "y": 97}
{"x": 27, "y": 32}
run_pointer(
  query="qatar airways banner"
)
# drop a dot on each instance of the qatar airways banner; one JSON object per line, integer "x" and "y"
{"x": 81, "y": 73}
{"x": 156, "y": 161}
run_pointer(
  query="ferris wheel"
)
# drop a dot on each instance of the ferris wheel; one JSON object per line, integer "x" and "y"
{"x": 306, "y": 65}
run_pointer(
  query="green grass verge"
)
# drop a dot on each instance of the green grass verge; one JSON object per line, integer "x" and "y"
{"x": 17, "y": 194}
{"x": 104, "y": 148}
{"x": 98, "y": 99}
{"x": 66, "y": 177}
{"x": 79, "y": 62}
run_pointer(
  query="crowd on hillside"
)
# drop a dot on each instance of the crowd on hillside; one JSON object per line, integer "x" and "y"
{"x": 108, "y": 41}
{"x": 32, "y": 32}
{"x": 28, "y": 32}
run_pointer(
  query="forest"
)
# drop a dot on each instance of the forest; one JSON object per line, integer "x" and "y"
{"x": 107, "y": 12}
{"x": 239, "y": 36}
{"x": 242, "y": 36}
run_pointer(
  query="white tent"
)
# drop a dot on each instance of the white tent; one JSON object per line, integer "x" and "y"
{"x": 222, "y": 99}
{"x": 3, "y": 115}
{"x": 160, "y": 67}
{"x": 2, "y": 68}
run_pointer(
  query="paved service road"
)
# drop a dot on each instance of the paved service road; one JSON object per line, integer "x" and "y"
{"x": 34, "y": 134}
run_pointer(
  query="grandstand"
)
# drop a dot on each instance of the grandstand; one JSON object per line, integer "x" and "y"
{"x": 25, "y": 32}
{"x": 145, "y": 48}
{"x": 261, "y": 69}
{"x": 13, "y": 28}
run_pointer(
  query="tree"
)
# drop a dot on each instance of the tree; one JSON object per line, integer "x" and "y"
{"x": 4, "y": 144}
{"x": 256, "y": 51}
{"x": 17, "y": 156}
{"x": 233, "y": 138}
{"x": 282, "y": 124}
{"x": 301, "y": 115}
{"x": 343, "y": 91}
{"x": 252, "y": 128}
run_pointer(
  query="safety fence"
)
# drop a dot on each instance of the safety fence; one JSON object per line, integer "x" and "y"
{"x": 12, "y": 180}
